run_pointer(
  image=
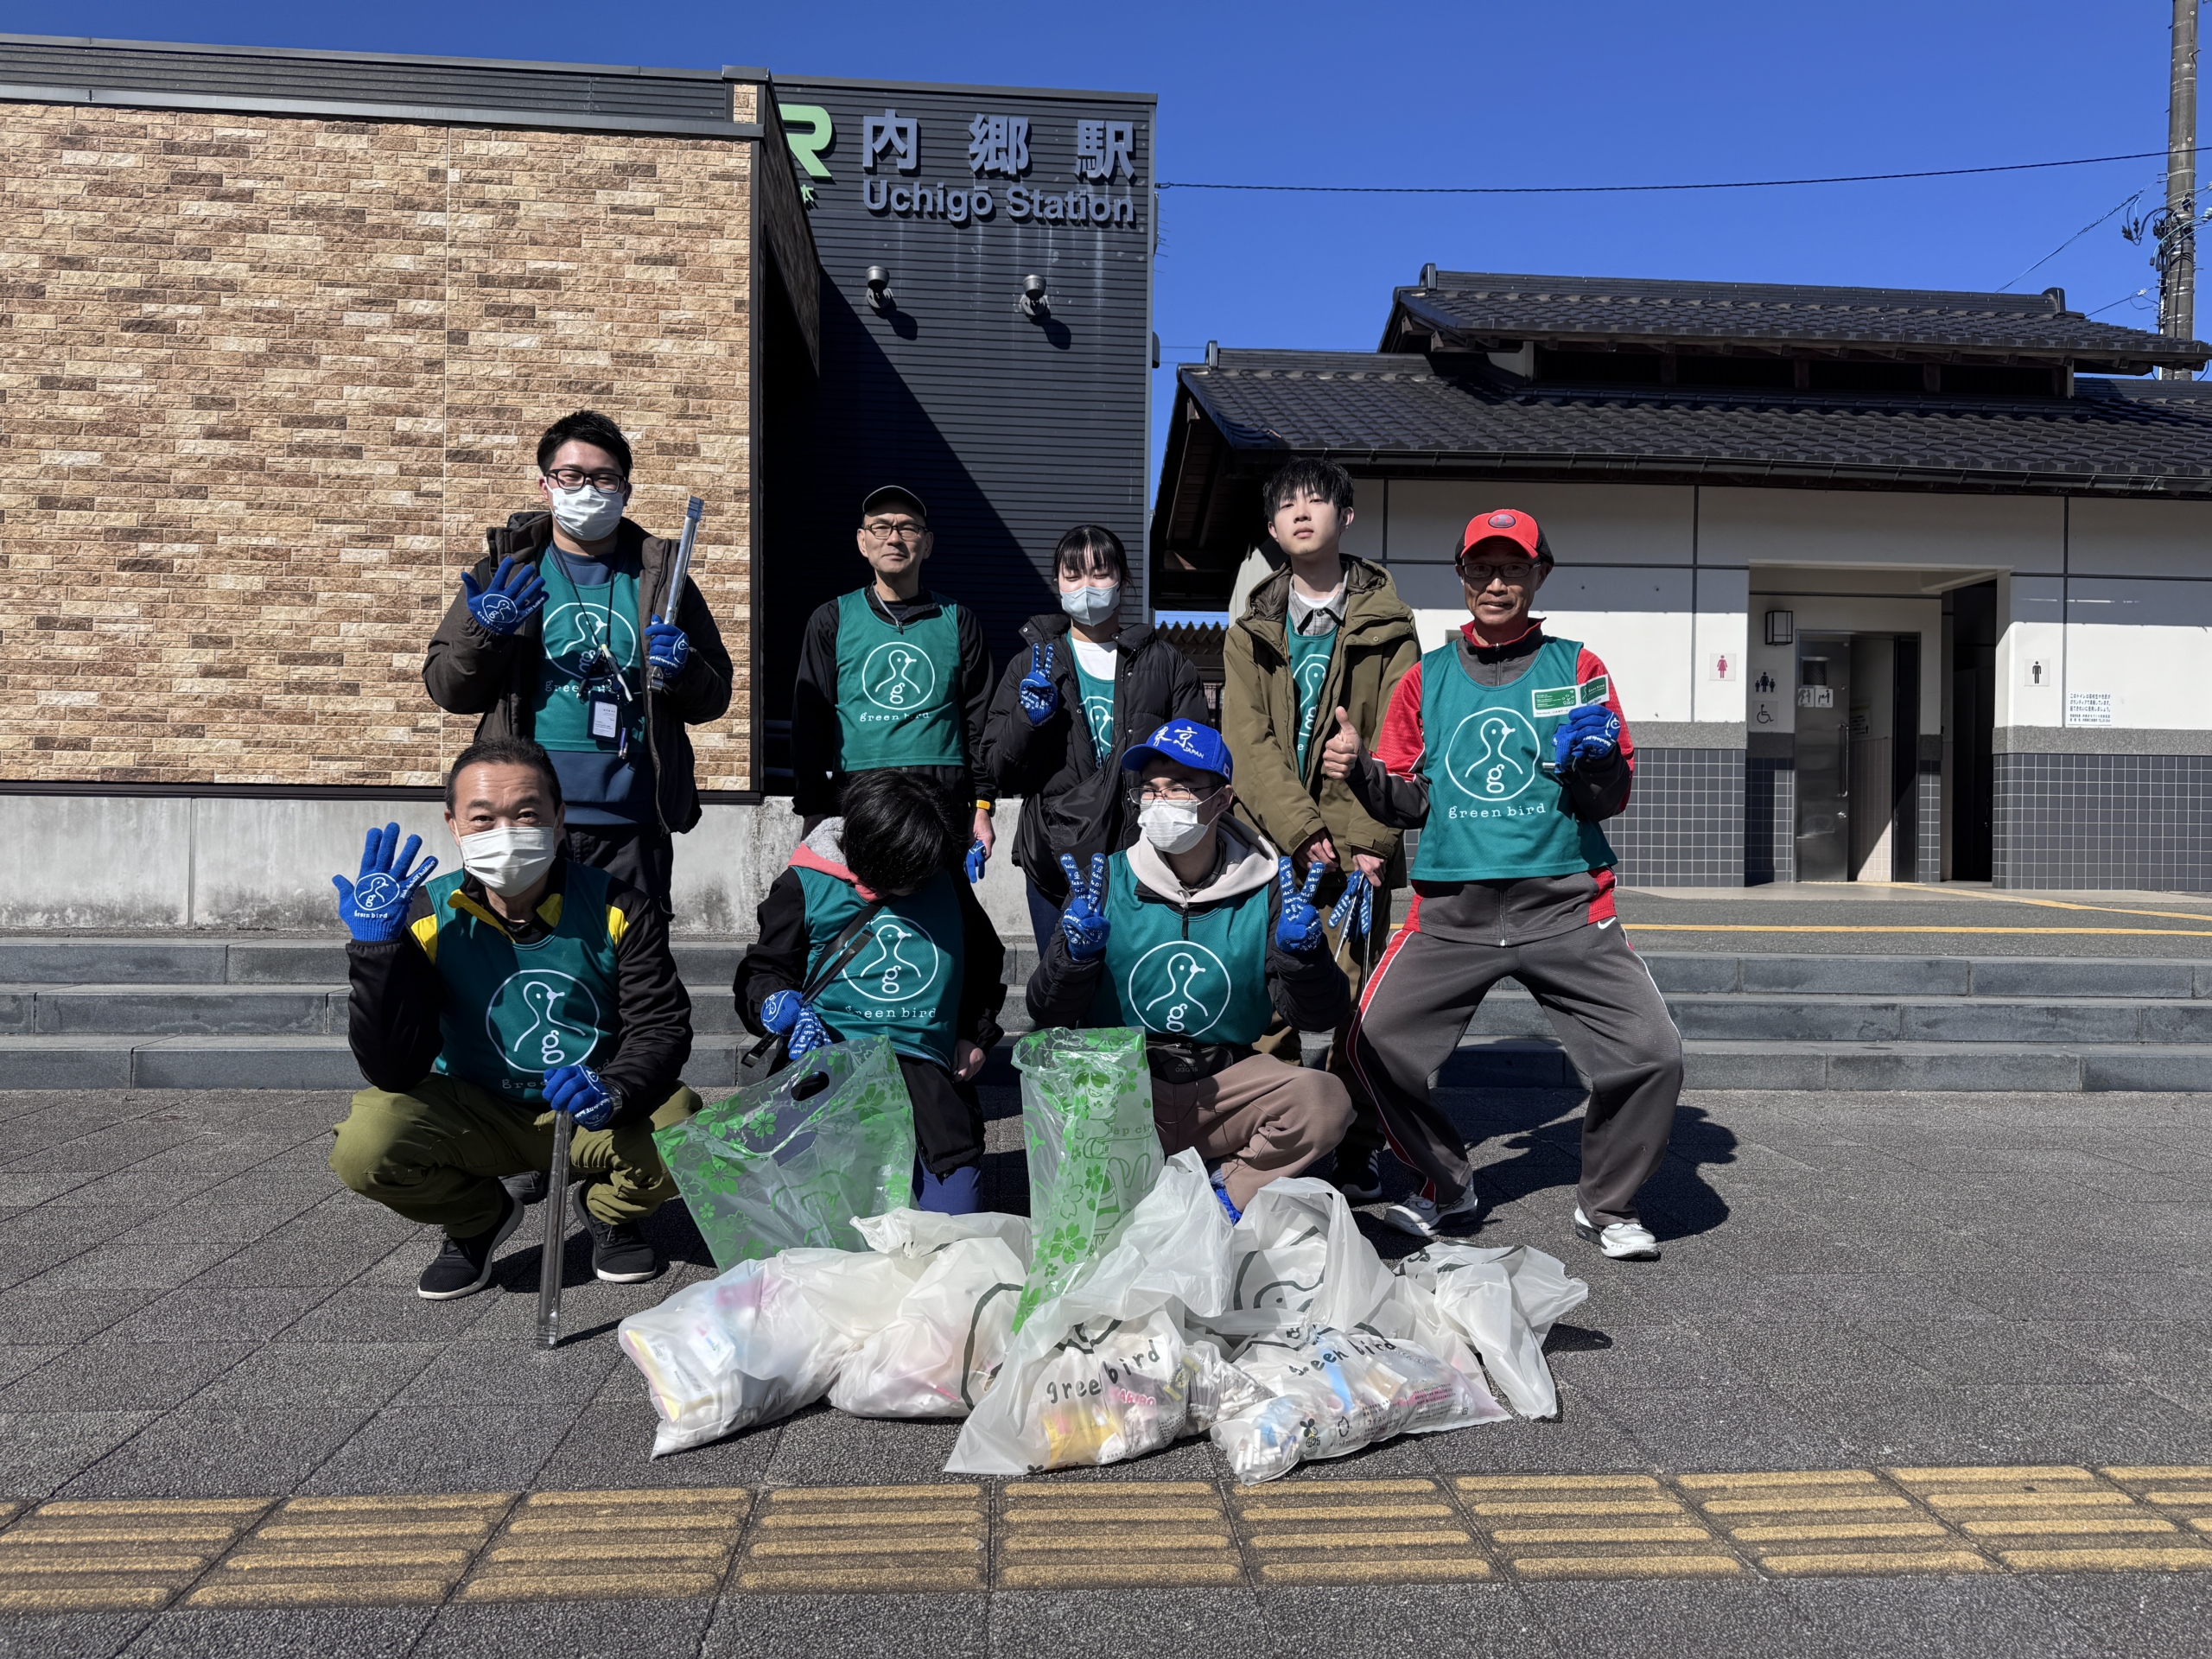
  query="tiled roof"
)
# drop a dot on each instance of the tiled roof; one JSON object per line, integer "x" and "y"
{"x": 1393, "y": 413}
{"x": 1477, "y": 308}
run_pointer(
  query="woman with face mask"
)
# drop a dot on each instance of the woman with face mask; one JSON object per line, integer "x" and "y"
{"x": 1083, "y": 685}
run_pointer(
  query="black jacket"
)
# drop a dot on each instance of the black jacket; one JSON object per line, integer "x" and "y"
{"x": 814, "y": 710}
{"x": 392, "y": 1016}
{"x": 469, "y": 671}
{"x": 1068, "y": 802}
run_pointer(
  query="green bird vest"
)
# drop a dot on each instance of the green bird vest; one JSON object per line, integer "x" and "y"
{"x": 510, "y": 1013}
{"x": 898, "y": 689}
{"x": 1203, "y": 977}
{"x": 1309, "y": 669}
{"x": 905, "y": 981}
{"x": 1494, "y": 815}
{"x": 577, "y": 621}
{"x": 1098, "y": 705}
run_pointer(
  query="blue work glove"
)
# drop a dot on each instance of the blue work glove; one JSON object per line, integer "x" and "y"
{"x": 1300, "y": 929}
{"x": 1359, "y": 894}
{"x": 577, "y": 1090}
{"x": 1593, "y": 732}
{"x": 667, "y": 647}
{"x": 373, "y": 905}
{"x": 978, "y": 856}
{"x": 1040, "y": 698}
{"x": 1222, "y": 1193}
{"x": 516, "y": 592}
{"x": 786, "y": 1014}
{"x": 1083, "y": 924}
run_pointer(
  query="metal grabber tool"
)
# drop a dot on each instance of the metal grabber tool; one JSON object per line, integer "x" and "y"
{"x": 556, "y": 1233}
{"x": 680, "y": 573}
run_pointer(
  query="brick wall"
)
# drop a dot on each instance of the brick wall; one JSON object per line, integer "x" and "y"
{"x": 265, "y": 379}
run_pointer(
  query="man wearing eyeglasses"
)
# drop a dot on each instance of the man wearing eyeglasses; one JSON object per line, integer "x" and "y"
{"x": 1506, "y": 748}
{"x": 891, "y": 676}
{"x": 1200, "y": 935}
{"x": 561, "y": 634}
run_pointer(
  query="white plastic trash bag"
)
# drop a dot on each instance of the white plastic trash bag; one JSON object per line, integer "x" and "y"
{"x": 937, "y": 1355}
{"x": 1335, "y": 1391}
{"x": 760, "y": 1341}
{"x": 1504, "y": 1302}
{"x": 1104, "y": 1370}
{"x": 1298, "y": 1258}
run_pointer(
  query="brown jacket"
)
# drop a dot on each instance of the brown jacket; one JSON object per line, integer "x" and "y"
{"x": 471, "y": 671}
{"x": 1259, "y": 710}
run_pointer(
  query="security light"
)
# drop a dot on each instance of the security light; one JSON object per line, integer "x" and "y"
{"x": 1033, "y": 295}
{"x": 1781, "y": 627}
{"x": 879, "y": 289}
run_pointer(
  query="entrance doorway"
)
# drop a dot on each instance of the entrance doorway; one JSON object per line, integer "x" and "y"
{"x": 1970, "y": 729}
{"x": 1858, "y": 756}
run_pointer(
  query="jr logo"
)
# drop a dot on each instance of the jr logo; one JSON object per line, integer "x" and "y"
{"x": 1179, "y": 989}
{"x": 900, "y": 961}
{"x": 539, "y": 1019}
{"x": 1492, "y": 754}
{"x": 898, "y": 676}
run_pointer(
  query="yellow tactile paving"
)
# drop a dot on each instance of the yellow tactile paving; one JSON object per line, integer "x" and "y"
{"x": 1801, "y": 1522}
{"x": 1327, "y": 1531}
{"x": 355, "y": 1551}
{"x": 2181, "y": 1492}
{"x": 1593, "y": 1526}
{"x": 92, "y": 1555}
{"x": 612, "y": 1546}
{"x": 1071, "y": 1535}
{"x": 2054, "y": 1517}
{"x": 867, "y": 1538}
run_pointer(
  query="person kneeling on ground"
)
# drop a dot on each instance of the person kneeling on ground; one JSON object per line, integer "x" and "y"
{"x": 1198, "y": 935}
{"x": 878, "y": 886}
{"x": 486, "y": 1000}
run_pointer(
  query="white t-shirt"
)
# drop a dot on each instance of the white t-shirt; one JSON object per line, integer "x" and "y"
{"x": 1097, "y": 660}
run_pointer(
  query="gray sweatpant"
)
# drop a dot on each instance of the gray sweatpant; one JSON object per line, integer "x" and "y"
{"x": 1610, "y": 1017}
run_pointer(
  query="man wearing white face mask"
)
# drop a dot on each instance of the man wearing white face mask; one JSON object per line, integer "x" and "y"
{"x": 485, "y": 1001}
{"x": 1084, "y": 689}
{"x": 561, "y": 635}
{"x": 1200, "y": 935}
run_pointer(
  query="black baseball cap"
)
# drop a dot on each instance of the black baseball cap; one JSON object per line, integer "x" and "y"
{"x": 890, "y": 494}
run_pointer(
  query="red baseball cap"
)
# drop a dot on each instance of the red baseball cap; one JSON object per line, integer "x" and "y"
{"x": 1506, "y": 525}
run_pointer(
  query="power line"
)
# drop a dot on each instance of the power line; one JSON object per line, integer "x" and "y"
{"x": 1636, "y": 189}
{"x": 2076, "y": 237}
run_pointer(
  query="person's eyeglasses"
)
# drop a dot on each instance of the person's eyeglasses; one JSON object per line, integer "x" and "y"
{"x": 569, "y": 478}
{"x": 1481, "y": 575}
{"x": 1167, "y": 789}
{"x": 897, "y": 532}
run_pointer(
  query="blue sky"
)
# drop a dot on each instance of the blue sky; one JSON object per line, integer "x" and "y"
{"x": 1296, "y": 92}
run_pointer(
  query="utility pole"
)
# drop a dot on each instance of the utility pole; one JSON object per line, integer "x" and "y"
{"x": 2176, "y": 236}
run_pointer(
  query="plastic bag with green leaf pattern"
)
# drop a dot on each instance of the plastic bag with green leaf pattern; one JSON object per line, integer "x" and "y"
{"x": 787, "y": 1163}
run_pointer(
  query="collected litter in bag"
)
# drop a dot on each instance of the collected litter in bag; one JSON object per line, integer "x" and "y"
{"x": 1298, "y": 1258}
{"x": 759, "y": 1342}
{"x": 1086, "y": 1116}
{"x": 1104, "y": 1370}
{"x": 1335, "y": 1391}
{"x": 786, "y": 1163}
{"x": 937, "y": 1356}
{"x": 1504, "y": 1302}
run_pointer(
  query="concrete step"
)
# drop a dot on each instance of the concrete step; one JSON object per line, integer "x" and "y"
{"x": 1748, "y": 1017}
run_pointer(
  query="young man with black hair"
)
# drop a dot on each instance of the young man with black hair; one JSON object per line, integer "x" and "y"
{"x": 483, "y": 1002}
{"x": 1506, "y": 748}
{"x": 893, "y": 676}
{"x": 927, "y": 976}
{"x": 561, "y": 635}
{"x": 1200, "y": 935}
{"x": 1327, "y": 630}
{"x": 1069, "y": 705}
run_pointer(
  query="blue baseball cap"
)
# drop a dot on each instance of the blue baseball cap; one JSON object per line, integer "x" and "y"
{"x": 1184, "y": 741}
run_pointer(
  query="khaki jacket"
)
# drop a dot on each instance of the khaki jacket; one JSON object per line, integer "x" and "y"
{"x": 1259, "y": 711}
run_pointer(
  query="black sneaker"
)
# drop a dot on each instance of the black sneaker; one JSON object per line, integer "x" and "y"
{"x": 619, "y": 1254}
{"x": 1357, "y": 1178}
{"x": 465, "y": 1264}
{"x": 528, "y": 1187}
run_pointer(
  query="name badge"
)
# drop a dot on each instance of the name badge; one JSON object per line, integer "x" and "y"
{"x": 1557, "y": 700}
{"x": 606, "y": 717}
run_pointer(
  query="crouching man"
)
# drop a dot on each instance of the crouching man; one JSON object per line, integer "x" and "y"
{"x": 1199, "y": 935}
{"x": 484, "y": 1001}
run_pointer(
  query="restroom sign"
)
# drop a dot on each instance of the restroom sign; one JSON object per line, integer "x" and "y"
{"x": 1723, "y": 666}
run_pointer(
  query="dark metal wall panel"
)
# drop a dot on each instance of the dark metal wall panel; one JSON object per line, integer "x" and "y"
{"x": 1011, "y": 428}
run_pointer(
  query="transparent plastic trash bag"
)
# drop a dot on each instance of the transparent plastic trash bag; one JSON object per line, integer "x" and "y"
{"x": 1504, "y": 1302}
{"x": 938, "y": 1354}
{"x": 785, "y": 1164}
{"x": 1335, "y": 1391}
{"x": 1298, "y": 1258}
{"x": 1086, "y": 1116}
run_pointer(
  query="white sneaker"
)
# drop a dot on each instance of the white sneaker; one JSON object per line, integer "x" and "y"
{"x": 1421, "y": 1217}
{"x": 1623, "y": 1241}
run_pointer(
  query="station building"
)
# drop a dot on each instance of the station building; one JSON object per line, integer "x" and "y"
{"x": 1895, "y": 586}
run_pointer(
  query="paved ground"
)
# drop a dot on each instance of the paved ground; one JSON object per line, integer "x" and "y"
{"x": 1956, "y": 1309}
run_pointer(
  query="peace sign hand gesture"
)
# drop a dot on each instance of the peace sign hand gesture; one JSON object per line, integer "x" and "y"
{"x": 1083, "y": 924}
{"x": 1040, "y": 698}
{"x": 1359, "y": 894}
{"x": 1300, "y": 929}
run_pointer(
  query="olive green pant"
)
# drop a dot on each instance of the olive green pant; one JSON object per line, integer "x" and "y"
{"x": 437, "y": 1153}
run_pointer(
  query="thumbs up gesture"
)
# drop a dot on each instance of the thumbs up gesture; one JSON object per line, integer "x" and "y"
{"x": 1083, "y": 924}
{"x": 1344, "y": 748}
{"x": 1040, "y": 698}
{"x": 1299, "y": 930}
